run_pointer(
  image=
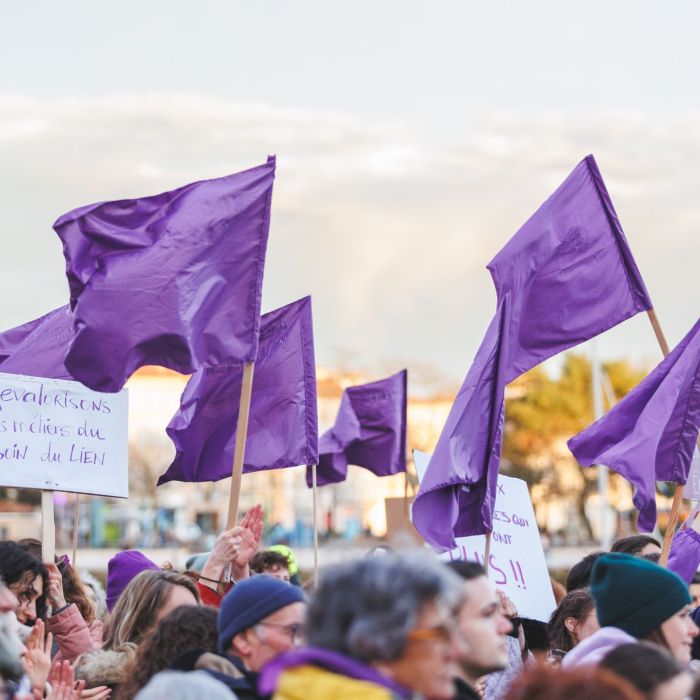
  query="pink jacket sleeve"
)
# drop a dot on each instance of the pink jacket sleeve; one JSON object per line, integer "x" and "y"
{"x": 73, "y": 635}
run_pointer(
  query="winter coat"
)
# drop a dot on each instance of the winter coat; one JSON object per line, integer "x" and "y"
{"x": 72, "y": 634}
{"x": 320, "y": 674}
{"x": 590, "y": 651}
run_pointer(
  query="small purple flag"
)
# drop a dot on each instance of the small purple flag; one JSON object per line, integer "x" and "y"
{"x": 172, "y": 280}
{"x": 568, "y": 275}
{"x": 37, "y": 348}
{"x": 570, "y": 272}
{"x": 369, "y": 431}
{"x": 458, "y": 492}
{"x": 283, "y": 427}
{"x": 651, "y": 434}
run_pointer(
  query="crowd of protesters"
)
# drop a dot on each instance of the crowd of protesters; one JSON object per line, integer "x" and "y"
{"x": 238, "y": 624}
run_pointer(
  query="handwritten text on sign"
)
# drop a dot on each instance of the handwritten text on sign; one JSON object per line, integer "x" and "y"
{"x": 517, "y": 564}
{"x": 59, "y": 435}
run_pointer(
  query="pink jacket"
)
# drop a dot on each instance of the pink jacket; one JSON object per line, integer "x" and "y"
{"x": 73, "y": 635}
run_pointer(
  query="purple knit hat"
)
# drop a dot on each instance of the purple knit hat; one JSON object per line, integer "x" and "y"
{"x": 121, "y": 569}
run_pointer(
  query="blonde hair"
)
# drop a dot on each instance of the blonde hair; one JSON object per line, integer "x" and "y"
{"x": 138, "y": 605}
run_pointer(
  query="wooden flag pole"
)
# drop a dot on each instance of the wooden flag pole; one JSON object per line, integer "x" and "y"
{"x": 48, "y": 527}
{"x": 487, "y": 552}
{"x": 239, "y": 452}
{"x": 315, "y": 519}
{"x": 75, "y": 530}
{"x": 678, "y": 494}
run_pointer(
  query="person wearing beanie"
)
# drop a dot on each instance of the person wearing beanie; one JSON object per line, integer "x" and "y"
{"x": 122, "y": 568}
{"x": 260, "y": 618}
{"x": 636, "y": 599}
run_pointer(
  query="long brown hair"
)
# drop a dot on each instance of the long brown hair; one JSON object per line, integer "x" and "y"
{"x": 137, "y": 607}
{"x": 184, "y": 629}
{"x": 576, "y": 604}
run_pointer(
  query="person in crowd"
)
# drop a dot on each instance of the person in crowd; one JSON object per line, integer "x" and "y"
{"x": 636, "y": 599}
{"x": 11, "y": 647}
{"x": 122, "y": 569}
{"x": 485, "y": 623}
{"x": 546, "y": 683}
{"x": 580, "y": 573}
{"x": 185, "y": 631}
{"x": 378, "y": 628}
{"x": 637, "y": 545}
{"x": 27, "y": 578}
{"x": 260, "y": 618}
{"x": 291, "y": 562}
{"x": 271, "y": 563}
{"x": 96, "y": 595}
{"x": 694, "y": 589}
{"x": 651, "y": 669}
{"x": 176, "y": 685}
{"x": 573, "y": 621}
{"x": 148, "y": 599}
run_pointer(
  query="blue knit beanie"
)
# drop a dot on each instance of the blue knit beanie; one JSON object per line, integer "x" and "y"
{"x": 250, "y": 602}
{"x": 634, "y": 594}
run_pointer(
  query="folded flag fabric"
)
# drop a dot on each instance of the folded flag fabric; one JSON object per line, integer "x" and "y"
{"x": 565, "y": 276}
{"x": 651, "y": 434}
{"x": 174, "y": 279}
{"x": 283, "y": 423}
{"x": 37, "y": 348}
{"x": 369, "y": 432}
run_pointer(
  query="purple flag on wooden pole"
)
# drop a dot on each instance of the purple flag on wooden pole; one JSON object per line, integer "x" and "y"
{"x": 568, "y": 275}
{"x": 369, "y": 431}
{"x": 37, "y": 348}
{"x": 570, "y": 272}
{"x": 283, "y": 427}
{"x": 651, "y": 434}
{"x": 172, "y": 280}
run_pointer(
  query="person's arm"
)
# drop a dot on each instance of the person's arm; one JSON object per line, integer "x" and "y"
{"x": 235, "y": 547}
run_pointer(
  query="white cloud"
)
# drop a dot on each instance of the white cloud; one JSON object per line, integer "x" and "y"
{"x": 387, "y": 226}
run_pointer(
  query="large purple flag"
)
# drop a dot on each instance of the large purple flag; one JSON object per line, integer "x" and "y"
{"x": 37, "y": 348}
{"x": 568, "y": 275}
{"x": 651, "y": 434}
{"x": 283, "y": 427}
{"x": 172, "y": 280}
{"x": 570, "y": 272}
{"x": 369, "y": 431}
{"x": 459, "y": 500}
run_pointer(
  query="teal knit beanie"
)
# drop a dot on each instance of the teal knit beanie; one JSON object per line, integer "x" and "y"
{"x": 635, "y": 595}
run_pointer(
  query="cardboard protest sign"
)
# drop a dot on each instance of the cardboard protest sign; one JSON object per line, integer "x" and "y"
{"x": 517, "y": 565}
{"x": 58, "y": 435}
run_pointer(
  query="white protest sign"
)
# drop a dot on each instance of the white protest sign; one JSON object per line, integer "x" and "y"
{"x": 516, "y": 563}
{"x": 60, "y": 436}
{"x": 692, "y": 486}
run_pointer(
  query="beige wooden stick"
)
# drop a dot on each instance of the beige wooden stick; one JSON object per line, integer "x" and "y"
{"x": 487, "y": 553}
{"x": 75, "y": 529}
{"x": 48, "y": 526}
{"x": 678, "y": 494}
{"x": 239, "y": 452}
{"x": 315, "y": 519}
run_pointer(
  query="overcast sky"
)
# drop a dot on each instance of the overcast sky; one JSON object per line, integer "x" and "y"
{"x": 413, "y": 139}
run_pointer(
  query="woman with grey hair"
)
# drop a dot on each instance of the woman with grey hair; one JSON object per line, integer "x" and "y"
{"x": 382, "y": 627}
{"x": 176, "y": 685}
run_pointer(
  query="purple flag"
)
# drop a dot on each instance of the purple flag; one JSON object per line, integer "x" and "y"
{"x": 369, "y": 431}
{"x": 172, "y": 280}
{"x": 651, "y": 434}
{"x": 282, "y": 429}
{"x": 460, "y": 499}
{"x": 37, "y": 348}
{"x": 567, "y": 275}
{"x": 570, "y": 272}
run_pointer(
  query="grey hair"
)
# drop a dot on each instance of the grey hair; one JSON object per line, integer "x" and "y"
{"x": 178, "y": 685}
{"x": 365, "y": 609}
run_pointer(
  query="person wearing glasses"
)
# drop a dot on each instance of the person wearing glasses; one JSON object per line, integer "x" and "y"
{"x": 381, "y": 628}
{"x": 259, "y": 619}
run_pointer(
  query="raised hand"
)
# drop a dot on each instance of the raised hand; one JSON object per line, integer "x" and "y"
{"x": 56, "y": 597}
{"x": 37, "y": 659}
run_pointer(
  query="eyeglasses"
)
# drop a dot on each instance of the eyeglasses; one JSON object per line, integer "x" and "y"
{"x": 439, "y": 633}
{"x": 293, "y": 631}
